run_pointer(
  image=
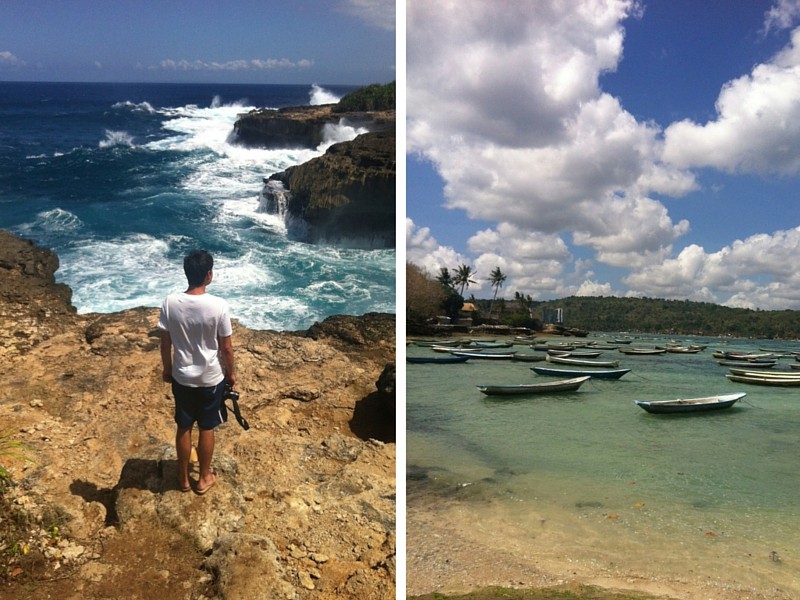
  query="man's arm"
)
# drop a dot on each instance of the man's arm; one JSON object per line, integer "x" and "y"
{"x": 166, "y": 356}
{"x": 226, "y": 355}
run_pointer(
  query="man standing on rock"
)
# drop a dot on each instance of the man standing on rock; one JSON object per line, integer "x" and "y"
{"x": 197, "y": 326}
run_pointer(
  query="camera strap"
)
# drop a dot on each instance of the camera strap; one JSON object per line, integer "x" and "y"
{"x": 238, "y": 414}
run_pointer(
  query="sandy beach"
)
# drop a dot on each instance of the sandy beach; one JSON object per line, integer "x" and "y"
{"x": 452, "y": 551}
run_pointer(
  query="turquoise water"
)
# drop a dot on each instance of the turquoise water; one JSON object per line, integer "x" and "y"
{"x": 617, "y": 485}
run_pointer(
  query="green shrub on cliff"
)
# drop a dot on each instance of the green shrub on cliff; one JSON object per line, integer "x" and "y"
{"x": 372, "y": 97}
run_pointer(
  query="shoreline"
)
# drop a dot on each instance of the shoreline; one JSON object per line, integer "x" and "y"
{"x": 449, "y": 556}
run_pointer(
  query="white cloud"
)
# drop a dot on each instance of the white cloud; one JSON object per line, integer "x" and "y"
{"x": 378, "y": 13}
{"x": 254, "y": 64}
{"x": 757, "y": 129}
{"x": 8, "y": 59}
{"x": 755, "y": 272}
{"x": 506, "y": 104}
{"x": 783, "y": 15}
{"x": 423, "y": 250}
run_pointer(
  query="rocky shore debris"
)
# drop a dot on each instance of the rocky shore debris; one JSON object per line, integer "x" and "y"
{"x": 305, "y": 503}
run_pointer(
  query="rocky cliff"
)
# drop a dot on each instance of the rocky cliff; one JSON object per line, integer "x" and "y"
{"x": 346, "y": 194}
{"x": 302, "y": 126}
{"x": 305, "y": 504}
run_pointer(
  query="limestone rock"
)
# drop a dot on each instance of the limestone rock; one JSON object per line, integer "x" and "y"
{"x": 347, "y": 194}
{"x": 301, "y": 126}
{"x": 85, "y": 395}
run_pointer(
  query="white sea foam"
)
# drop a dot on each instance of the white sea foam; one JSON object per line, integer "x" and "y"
{"x": 319, "y": 95}
{"x": 116, "y": 138}
{"x": 135, "y": 106}
{"x": 53, "y": 221}
{"x": 333, "y": 133}
{"x": 112, "y": 275}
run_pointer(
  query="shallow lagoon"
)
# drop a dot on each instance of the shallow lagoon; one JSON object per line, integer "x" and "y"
{"x": 590, "y": 477}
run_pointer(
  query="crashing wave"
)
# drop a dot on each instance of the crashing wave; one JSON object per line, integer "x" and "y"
{"x": 319, "y": 95}
{"x": 136, "y": 107}
{"x": 116, "y": 138}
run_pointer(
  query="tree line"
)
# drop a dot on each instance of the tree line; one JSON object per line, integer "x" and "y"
{"x": 375, "y": 96}
{"x": 428, "y": 297}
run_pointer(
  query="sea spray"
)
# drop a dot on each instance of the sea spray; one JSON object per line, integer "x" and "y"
{"x": 129, "y": 177}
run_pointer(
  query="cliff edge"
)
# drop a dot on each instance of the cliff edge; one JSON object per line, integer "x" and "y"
{"x": 348, "y": 195}
{"x": 305, "y": 504}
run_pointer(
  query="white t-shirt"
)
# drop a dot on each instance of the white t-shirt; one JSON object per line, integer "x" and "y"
{"x": 195, "y": 323}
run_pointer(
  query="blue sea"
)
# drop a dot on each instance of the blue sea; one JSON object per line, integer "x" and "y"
{"x": 587, "y": 485}
{"x": 121, "y": 180}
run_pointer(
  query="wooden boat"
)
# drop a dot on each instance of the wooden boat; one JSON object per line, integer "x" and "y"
{"x": 748, "y": 373}
{"x": 765, "y": 379}
{"x": 538, "y": 358}
{"x": 642, "y": 351}
{"x": 747, "y": 364}
{"x": 440, "y": 360}
{"x": 579, "y": 362}
{"x": 605, "y": 374}
{"x": 449, "y": 348}
{"x": 546, "y": 347}
{"x": 681, "y": 405}
{"x": 484, "y": 355}
{"x": 564, "y": 385}
{"x": 745, "y": 355}
{"x": 429, "y": 343}
{"x": 575, "y": 353}
{"x": 492, "y": 344}
{"x": 682, "y": 349}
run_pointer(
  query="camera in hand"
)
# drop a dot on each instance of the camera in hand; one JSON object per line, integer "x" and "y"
{"x": 229, "y": 394}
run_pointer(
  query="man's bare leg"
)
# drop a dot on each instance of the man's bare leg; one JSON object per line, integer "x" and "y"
{"x": 183, "y": 447}
{"x": 205, "y": 451}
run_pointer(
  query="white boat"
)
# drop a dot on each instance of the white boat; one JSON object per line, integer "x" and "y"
{"x": 684, "y": 405}
{"x": 563, "y": 385}
{"x": 484, "y": 355}
{"x": 773, "y": 374}
{"x": 579, "y": 362}
{"x": 765, "y": 379}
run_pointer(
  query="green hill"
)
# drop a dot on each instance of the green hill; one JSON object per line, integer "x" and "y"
{"x": 675, "y": 317}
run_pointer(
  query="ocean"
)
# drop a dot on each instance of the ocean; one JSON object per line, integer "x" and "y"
{"x": 592, "y": 483}
{"x": 121, "y": 180}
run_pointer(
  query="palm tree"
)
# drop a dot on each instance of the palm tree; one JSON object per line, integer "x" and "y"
{"x": 496, "y": 278}
{"x": 445, "y": 278}
{"x": 463, "y": 277}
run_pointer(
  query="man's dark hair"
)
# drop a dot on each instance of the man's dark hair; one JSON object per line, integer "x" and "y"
{"x": 197, "y": 265}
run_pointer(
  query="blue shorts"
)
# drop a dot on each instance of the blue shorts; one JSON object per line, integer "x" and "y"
{"x": 201, "y": 404}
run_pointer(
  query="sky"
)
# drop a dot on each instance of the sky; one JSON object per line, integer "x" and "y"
{"x": 607, "y": 147}
{"x": 347, "y": 42}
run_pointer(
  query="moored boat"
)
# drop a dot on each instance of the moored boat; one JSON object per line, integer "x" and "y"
{"x": 642, "y": 351}
{"x": 579, "y": 362}
{"x": 774, "y": 374}
{"x": 748, "y": 364}
{"x": 765, "y": 379}
{"x": 565, "y": 385}
{"x": 537, "y": 357}
{"x": 443, "y": 360}
{"x": 684, "y": 405}
{"x": 575, "y": 353}
{"x": 604, "y": 374}
{"x": 484, "y": 355}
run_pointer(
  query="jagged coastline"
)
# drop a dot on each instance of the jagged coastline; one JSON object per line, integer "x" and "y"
{"x": 305, "y": 505}
{"x": 346, "y": 196}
